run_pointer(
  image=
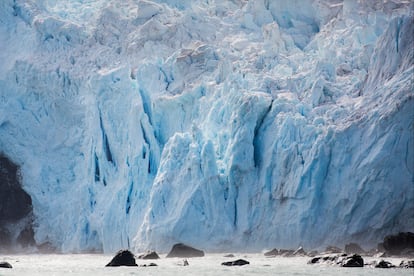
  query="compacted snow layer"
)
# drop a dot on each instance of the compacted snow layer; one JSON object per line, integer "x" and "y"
{"x": 221, "y": 124}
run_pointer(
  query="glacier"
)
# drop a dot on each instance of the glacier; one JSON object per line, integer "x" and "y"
{"x": 222, "y": 124}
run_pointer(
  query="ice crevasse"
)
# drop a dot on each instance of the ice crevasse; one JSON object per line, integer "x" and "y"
{"x": 222, "y": 124}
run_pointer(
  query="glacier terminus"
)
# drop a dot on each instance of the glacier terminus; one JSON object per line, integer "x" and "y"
{"x": 221, "y": 124}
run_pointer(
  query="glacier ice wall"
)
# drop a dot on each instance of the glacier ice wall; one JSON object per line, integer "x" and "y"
{"x": 223, "y": 124}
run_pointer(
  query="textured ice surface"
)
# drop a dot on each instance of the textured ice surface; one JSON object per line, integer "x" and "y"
{"x": 221, "y": 124}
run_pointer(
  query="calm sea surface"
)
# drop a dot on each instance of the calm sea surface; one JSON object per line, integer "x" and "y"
{"x": 86, "y": 264}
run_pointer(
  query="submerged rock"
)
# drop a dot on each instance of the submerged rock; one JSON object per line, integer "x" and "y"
{"x": 123, "y": 258}
{"x": 184, "y": 251}
{"x": 238, "y": 262}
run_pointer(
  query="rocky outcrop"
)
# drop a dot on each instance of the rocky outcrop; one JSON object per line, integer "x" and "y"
{"x": 15, "y": 208}
{"x": 399, "y": 244}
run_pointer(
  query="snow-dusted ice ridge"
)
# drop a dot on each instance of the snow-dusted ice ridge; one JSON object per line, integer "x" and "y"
{"x": 222, "y": 124}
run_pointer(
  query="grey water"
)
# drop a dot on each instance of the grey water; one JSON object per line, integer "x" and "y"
{"x": 94, "y": 264}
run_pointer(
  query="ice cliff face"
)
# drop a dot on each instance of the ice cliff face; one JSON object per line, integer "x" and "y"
{"x": 222, "y": 124}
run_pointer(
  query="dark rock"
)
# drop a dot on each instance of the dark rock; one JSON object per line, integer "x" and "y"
{"x": 330, "y": 259}
{"x": 407, "y": 264}
{"x": 184, "y": 251}
{"x": 229, "y": 256}
{"x": 314, "y": 260}
{"x": 5, "y": 265}
{"x": 396, "y": 244}
{"x": 15, "y": 203}
{"x": 123, "y": 258}
{"x": 148, "y": 265}
{"x": 185, "y": 263}
{"x": 340, "y": 259}
{"x": 272, "y": 253}
{"x": 150, "y": 255}
{"x": 384, "y": 264}
{"x": 353, "y": 261}
{"x": 354, "y": 248}
{"x": 238, "y": 262}
{"x": 15, "y": 207}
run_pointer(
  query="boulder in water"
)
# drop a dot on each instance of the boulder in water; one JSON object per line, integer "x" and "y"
{"x": 238, "y": 262}
{"x": 353, "y": 261}
{"x": 5, "y": 265}
{"x": 384, "y": 264}
{"x": 123, "y": 258}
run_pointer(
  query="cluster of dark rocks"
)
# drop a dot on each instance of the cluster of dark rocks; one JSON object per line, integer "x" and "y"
{"x": 343, "y": 260}
{"x": 399, "y": 245}
{"x": 127, "y": 258}
{"x": 356, "y": 260}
